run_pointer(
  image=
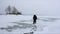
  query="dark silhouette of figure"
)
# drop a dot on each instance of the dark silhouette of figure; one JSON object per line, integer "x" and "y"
{"x": 34, "y": 19}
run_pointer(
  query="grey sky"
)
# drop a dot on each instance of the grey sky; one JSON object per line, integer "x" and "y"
{"x": 32, "y": 6}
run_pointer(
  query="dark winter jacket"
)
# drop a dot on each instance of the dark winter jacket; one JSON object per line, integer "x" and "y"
{"x": 34, "y": 17}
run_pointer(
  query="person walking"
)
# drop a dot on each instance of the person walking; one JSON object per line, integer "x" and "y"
{"x": 34, "y": 19}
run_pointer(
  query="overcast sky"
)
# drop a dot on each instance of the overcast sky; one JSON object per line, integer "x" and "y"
{"x": 32, "y": 6}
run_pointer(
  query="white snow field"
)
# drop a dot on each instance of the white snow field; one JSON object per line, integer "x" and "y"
{"x": 20, "y": 24}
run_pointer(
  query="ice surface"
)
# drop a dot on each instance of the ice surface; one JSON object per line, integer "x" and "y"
{"x": 12, "y": 24}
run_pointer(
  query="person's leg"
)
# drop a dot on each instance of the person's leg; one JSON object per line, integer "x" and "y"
{"x": 34, "y": 22}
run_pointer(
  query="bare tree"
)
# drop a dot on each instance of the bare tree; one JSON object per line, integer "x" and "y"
{"x": 8, "y": 10}
{"x": 12, "y": 10}
{"x": 15, "y": 11}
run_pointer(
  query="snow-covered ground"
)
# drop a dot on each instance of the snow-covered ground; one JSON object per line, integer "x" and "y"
{"x": 14, "y": 24}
